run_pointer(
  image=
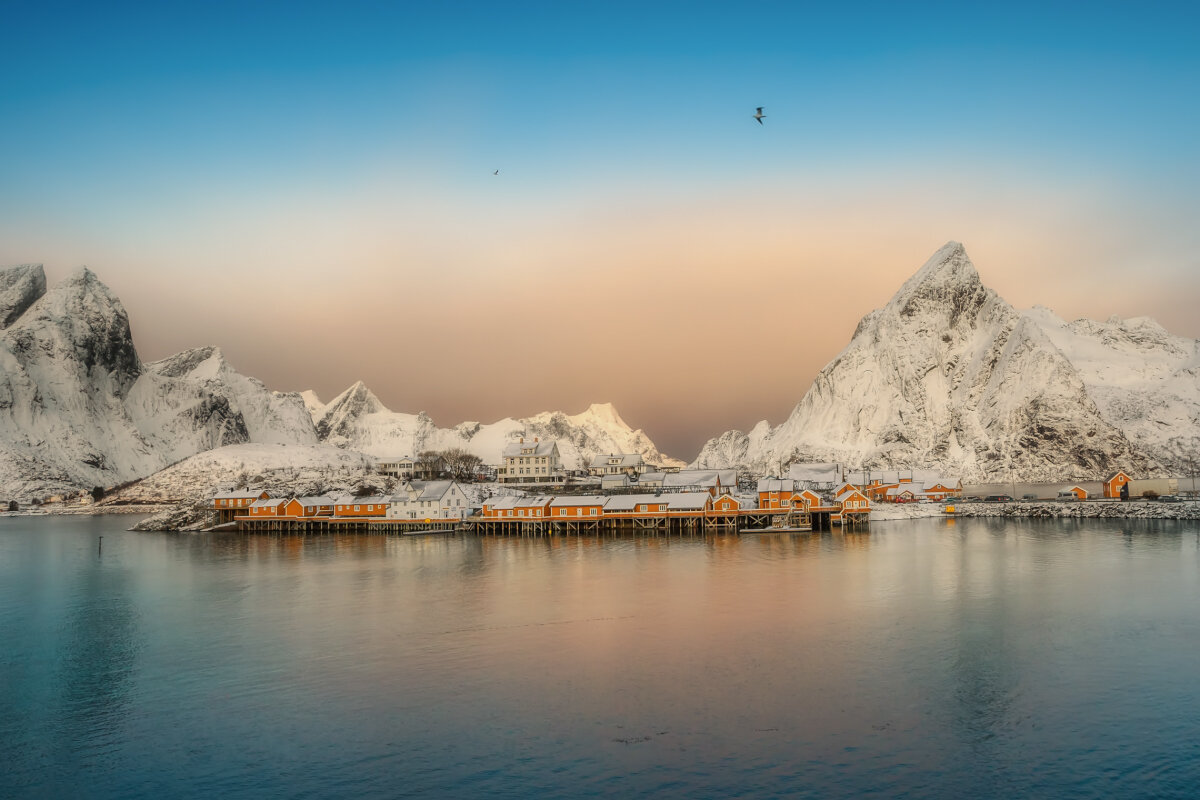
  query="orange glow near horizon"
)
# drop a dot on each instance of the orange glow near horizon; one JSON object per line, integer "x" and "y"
{"x": 517, "y": 305}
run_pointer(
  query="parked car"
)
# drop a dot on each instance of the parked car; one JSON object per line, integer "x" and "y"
{"x": 1029, "y": 497}
{"x": 997, "y": 498}
{"x": 1170, "y": 498}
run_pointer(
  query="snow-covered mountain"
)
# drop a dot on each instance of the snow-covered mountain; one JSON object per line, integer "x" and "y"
{"x": 950, "y": 376}
{"x": 78, "y": 408}
{"x": 358, "y": 420}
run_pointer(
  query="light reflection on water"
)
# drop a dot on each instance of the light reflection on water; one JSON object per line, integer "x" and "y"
{"x": 982, "y": 658}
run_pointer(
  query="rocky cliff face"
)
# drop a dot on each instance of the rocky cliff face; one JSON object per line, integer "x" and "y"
{"x": 78, "y": 408}
{"x": 20, "y": 287}
{"x": 358, "y": 420}
{"x": 949, "y": 376}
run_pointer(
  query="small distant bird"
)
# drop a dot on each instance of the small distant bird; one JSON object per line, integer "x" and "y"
{"x": 497, "y": 172}
{"x": 758, "y": 115}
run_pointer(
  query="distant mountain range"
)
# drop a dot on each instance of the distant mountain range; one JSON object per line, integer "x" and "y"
{"x": 949, "y": 376}
{"x": 946, "y": 376}
{"x": 79, "y": 408}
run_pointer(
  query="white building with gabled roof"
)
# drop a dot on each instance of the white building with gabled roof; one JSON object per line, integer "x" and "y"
{"x": 422, "y": 500}
{"x": 532, "y": 461}
{"x": 617, "y": 464}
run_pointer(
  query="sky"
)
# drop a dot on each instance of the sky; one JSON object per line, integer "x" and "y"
{"x": 312, "y": 186}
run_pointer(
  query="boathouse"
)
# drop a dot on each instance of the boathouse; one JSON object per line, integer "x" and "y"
{"x": 349, "y": 506}
{"x": 267, "y": 509}
{"x": 1114, "y": 484}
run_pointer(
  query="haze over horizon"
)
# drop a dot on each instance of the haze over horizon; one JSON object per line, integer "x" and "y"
{"x": 313, "y": 191}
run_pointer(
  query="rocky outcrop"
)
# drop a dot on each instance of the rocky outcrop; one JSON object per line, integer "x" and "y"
{"x": 949, "y": 376}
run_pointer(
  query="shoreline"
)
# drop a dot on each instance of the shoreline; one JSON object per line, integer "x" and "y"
{"x": 1107, "y": 509}
{"x": 1086, "y": 509}
{"x": 90, "y": 511}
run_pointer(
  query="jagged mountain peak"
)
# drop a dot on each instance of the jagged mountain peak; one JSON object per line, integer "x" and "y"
{"x": 601, "y": 412}
{"x": 198, "y": 362}
{"x": 21, "y": 286}
{"x": 947, "y": 286}
{"x": 359, "y": 398}
{"x": 80, "y": 322}
{"x": 313, "y": 404}
{"x": 949, "y": 375}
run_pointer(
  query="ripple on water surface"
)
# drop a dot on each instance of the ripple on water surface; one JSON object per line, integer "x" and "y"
{"x": 982, "y": 658}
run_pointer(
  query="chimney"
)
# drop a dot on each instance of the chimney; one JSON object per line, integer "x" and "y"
{"x": 535, "y": 439}
{"x": 522, "y": 440}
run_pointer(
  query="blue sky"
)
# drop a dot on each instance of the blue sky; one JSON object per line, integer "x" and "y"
{"x": 293, "y": 141}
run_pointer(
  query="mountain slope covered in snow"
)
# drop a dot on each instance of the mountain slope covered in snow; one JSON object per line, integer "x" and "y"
{"x": 358, "y": 420}
{"x": 949, "y": 376}
{"x": 78, "y": 407}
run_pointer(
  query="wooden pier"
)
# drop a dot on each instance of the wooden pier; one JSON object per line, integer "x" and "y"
{"x": 665, "y": 523}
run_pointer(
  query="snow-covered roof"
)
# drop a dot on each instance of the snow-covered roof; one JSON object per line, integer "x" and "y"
{"x": 541, "y": 501}
{"x": 620, "y": 479}
{"x": 237, "y": 494}
{"x": 688, "y": 501}
{"x": 268, "y": 503}
{"x": 623, "y": 460}
{"x": 651, "y": 477}
{"x": 374, "y": 499}
{"x": 315, "y": 500}
{"x": 777, "y": 485}
{"x": 700, "y": 477}
{"x": 505, "y": 503}
{"x": 435, "y": 490}
{"x": 579, "y": 500}
{"x": 815, "y": 472}
{"x": 535, "y": 448}
{"x": 629, "y": 502}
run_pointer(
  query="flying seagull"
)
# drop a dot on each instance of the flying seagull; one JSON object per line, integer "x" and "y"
{"x": 758, "y": 115}
{"x": 497, "y": 172}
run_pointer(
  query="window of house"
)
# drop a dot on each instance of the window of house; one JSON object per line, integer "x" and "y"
{"x": 562, "y": 512}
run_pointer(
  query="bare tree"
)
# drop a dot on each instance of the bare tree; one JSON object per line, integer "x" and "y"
{"x": 429, "y": 463}
{"x": 462, "y": 465}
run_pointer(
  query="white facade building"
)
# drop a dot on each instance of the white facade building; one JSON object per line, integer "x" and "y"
{"x": 531, "y": 462}
{"x": 429, "y": 500}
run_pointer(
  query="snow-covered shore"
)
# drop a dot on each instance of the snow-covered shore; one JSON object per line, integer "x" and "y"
{"x": 1189, "y": 509}
{"x": 1139, "y": 509}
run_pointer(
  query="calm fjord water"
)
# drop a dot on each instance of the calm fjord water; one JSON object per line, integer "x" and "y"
{"x": 925, "y": 658}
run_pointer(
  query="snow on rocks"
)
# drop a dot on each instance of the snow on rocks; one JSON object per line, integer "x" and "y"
{"x": 283, "y": 470}
{"x": 951, "y": 377}
{"x": 1086, "y": 510}
{"x": 358, "y": 420}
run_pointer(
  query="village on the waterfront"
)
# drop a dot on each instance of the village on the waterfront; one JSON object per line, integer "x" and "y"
{"x": 531, "y": 493}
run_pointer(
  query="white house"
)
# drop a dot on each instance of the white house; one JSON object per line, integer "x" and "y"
{"x": 531, "y": 462}
{"x": 417, "y": 500}
{"x": 617, "y": 464}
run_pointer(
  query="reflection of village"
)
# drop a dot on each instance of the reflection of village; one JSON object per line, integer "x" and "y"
{"x": 532, "y": 495}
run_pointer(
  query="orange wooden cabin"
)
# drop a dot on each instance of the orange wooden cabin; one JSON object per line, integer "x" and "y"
{"x": 1112, "y": 486}
{"x": 267, "y": 509}
{"x": 359, "y": 507}
{"x": 307, "y": 507}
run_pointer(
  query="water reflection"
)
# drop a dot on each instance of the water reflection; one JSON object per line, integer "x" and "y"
{"x": 954, "y": 657}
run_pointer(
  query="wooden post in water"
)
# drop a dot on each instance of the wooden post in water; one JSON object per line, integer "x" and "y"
{"x": 100, "y": 546}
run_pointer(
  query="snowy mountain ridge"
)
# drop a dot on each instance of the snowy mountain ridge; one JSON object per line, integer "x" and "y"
{"x": 949, "y": 376}
{"x": 358, "y": 420}
{"x": 79, "y": 408}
